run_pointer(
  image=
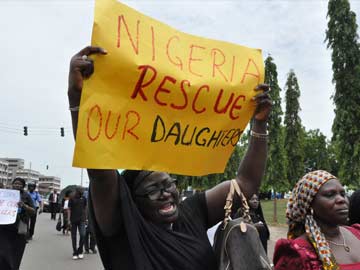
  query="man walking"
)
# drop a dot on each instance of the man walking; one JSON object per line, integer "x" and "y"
{"x": 53, "y": 203}
{"x": 77, "y": 211}
{"x": 35, "y": 196}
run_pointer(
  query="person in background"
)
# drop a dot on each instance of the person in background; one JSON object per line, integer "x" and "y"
{"x": 12, "y": 244}
{"x": 65, "y": 212}
{"x": 78, "y": 217}
{"x": 257, "y": 217}
{"x": 2, "y": 185}
{"x": 354, "y": 208}
{"x": 53, "y": 204}
{"x": 35, "y": 196}
{"x": 90, "y": 242}
{"x": 317, "y": 238}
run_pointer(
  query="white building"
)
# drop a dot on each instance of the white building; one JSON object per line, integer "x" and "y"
{"x": 48, "y": 183}
{"x": 15, "y": 164}
{"x": 4, "y": 172}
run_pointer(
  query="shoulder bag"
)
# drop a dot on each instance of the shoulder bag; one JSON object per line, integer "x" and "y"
{"x": 58, "y": 224}
{"x": 237, "y": 244}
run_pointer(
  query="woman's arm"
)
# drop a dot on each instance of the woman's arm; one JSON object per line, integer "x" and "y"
{"x": 27, "y": 206}
{"x": 252, "y": 166}
{"x": 103, "y": 183}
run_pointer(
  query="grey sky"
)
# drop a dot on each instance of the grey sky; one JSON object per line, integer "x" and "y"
{"x": 38, "y": 38}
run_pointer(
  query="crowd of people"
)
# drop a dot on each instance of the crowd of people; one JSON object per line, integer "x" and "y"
{"x": 72, "y": 213}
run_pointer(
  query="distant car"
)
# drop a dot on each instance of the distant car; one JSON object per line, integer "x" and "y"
{"x": 46, "y": 208}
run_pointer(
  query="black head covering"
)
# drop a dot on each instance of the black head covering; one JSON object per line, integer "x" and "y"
{"x": 134, "y": 177}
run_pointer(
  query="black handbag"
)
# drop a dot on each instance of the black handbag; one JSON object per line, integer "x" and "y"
{"x": 58, "y": 225}
{"x": 237, "y": 244}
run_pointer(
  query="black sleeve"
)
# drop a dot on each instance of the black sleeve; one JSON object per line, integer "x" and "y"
{"x": 195, "y": 206}
{"x": 70, "y": 203}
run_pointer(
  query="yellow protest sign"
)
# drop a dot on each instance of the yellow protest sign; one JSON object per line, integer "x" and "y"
{"x": 161, "y": 99}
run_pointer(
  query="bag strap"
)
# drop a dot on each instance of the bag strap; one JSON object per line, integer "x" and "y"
{"x": 245, "y": 207}
{"x": 234, "y": 187}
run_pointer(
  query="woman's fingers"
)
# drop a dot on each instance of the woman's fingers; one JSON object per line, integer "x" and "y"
{"x": 262, "y": 96}
{"x": 262, "y": 87}
{"x": 85, "y": 66}
{"x": 89, "y": 50}
{"x": 263, "y": 102}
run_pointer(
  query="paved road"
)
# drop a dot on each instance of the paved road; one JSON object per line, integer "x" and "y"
{"x": 52, "y": 250}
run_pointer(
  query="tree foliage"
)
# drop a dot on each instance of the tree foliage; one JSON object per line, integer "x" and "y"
{"x": 341, "y": 37}
{"x": 316, "y": 153}
{"x": 275, "y": 174}
{"x": 293, "y": 130}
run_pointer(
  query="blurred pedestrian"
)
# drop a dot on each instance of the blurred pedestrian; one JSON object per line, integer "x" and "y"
{"x": 53, "y": 204}
{"x": 78, "y": 217}
{"x": 35, "y": 196}
{"x": 90, "y": 243}
{"x": 12, "y": 243}
{"x": 65, "y": 212}
{"x": 257, "y": 217}
{"x": 354, "y": 208}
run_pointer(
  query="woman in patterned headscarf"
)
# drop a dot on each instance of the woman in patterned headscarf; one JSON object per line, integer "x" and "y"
{"x": 316, "y": 211}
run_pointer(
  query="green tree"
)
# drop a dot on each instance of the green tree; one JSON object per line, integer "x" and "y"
{"x": 334, "y": 164}
{"x": 275, "y": 173}
{"x": 316, "y": 151}
{"x": 293, "y": 130}
{"x": 342, "y": 38}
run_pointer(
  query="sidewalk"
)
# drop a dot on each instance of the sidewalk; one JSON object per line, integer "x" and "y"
{"x": 51, "y": 249}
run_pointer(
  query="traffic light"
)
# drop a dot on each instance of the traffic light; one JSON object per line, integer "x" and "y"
{"x": 62, "y": 132}
{"x": 25, "y": 131}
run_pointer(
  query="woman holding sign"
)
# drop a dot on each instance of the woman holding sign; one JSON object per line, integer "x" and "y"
{"x": 13, "y": 236}
{"x": 138, "y": 219}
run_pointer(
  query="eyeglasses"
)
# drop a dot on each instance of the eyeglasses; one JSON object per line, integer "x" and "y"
{"x": 154, "y": 194}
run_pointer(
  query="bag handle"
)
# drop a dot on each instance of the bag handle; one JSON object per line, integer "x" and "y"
{"x": 234, "y": 187}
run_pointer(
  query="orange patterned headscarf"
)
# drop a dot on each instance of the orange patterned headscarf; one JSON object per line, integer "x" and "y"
{"x": 300, "y": 218}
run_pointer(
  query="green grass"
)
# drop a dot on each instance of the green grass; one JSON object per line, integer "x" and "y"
{"x": 268, "y": 209}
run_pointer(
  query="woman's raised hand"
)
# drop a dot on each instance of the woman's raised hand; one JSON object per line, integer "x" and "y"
{"x": 81, "y": 67}
{"x": 263, "y": 103}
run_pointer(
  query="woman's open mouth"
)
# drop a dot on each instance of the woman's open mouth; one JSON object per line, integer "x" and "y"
{"x": 167, "y": 209}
